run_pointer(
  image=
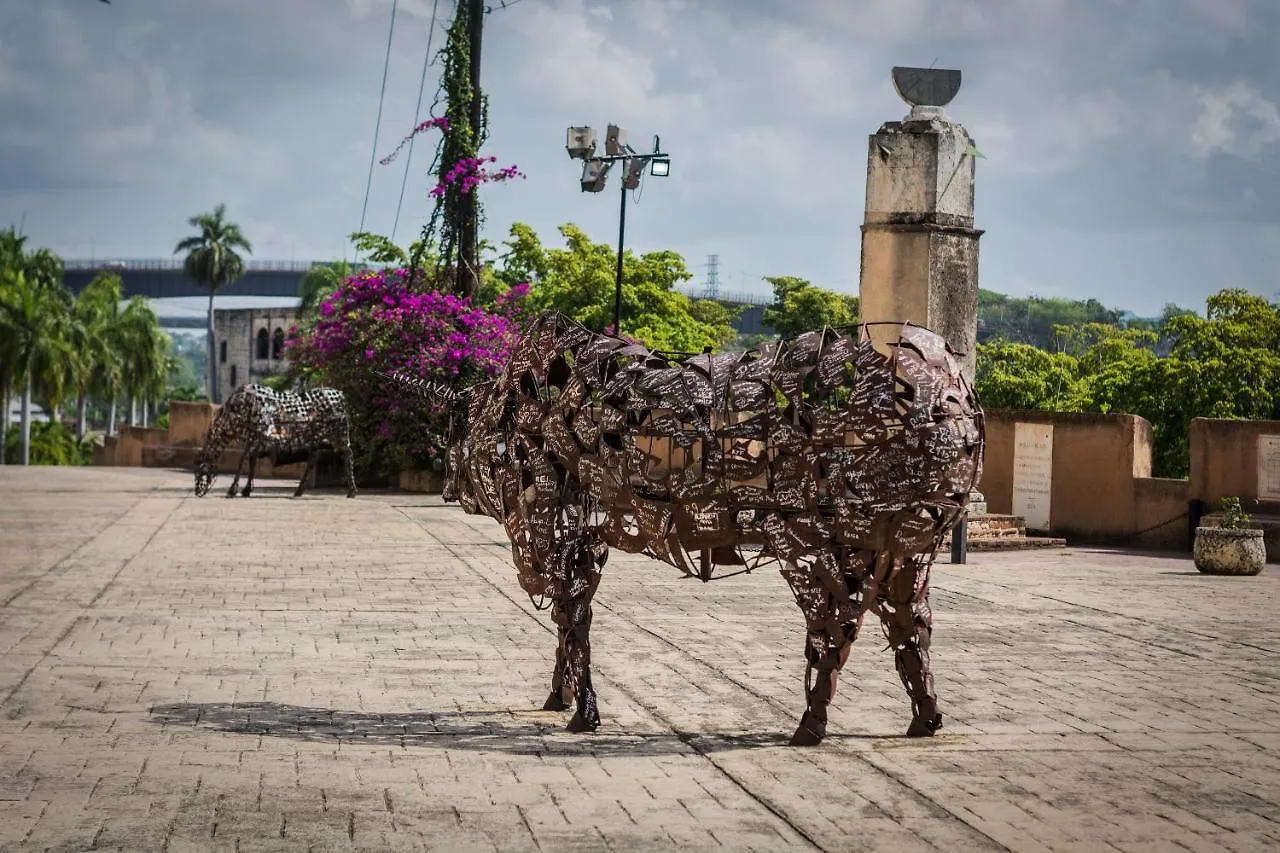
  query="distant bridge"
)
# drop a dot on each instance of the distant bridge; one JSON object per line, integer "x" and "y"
{"x": 163, "y": 278}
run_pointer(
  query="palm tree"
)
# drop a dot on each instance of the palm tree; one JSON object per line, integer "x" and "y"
{"x": 34, "y": 326}
{"x": 212, "y": 262}
{"x": 318, "y": 282}
{"x": 144, "y": 349}
{"x": 93, "y": 354}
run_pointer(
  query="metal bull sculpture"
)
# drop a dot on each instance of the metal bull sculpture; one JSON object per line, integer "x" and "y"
{"x": 844, "y": 465}
{"x": 286, "y": 426}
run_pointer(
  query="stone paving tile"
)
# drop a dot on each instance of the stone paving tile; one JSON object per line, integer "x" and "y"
{"x": 278, "y": 674}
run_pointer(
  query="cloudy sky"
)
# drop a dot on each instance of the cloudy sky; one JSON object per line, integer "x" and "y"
{"x": 1132, "y": 146}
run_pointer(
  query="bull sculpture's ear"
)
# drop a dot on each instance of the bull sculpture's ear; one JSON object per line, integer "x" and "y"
{"x": 439, "y": 392}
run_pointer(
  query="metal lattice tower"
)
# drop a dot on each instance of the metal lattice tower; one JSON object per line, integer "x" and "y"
{"x": 712, "y": 289}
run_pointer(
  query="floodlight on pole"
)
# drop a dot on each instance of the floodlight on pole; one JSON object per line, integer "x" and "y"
{"x": 615, "y": 141}
{"x": 594, "y": 174}
{"x": 631, "y": 173}
{"x": 580, "y": 142}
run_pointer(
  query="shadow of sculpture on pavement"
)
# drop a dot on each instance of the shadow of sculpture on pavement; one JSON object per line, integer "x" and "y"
{"x": 509, "y": 732}
{"x": 843, "y": 464}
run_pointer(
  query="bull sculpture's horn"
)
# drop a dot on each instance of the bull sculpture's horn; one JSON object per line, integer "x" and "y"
{"x": 438, "y": 391}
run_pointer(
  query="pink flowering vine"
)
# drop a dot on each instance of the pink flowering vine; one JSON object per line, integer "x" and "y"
{"x": 378, "y": 321}
{"x": 442, "y": 123}
{"x": 467, "y": 173}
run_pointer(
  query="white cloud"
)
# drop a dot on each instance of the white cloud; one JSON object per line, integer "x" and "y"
{"x": 1235, "y": 119}
{"x": 765, "y": 106}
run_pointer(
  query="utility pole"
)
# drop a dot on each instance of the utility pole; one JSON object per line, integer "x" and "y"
{"x": 468, "y": 244}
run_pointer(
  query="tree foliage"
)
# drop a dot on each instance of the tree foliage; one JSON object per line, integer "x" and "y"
{"x": 1032, "y": 320}
{"x": 1225, "y": 364}
{"x": 388, "y": 320}
{"x": 213, "y": 261}
{"x": 55, "y": 347}
{"x": 578, "y": 280}
{"x": 798, "y": 307}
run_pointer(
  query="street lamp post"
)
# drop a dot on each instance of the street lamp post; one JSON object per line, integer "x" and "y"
{"x": 580, "y": 142}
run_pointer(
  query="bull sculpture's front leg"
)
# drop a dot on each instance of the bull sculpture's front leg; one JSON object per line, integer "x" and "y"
{"x": 908, "y": 624}
{"x": 575, "y": 578}
{"x": 235, "y": 481}
{"x": 832, "y": 619}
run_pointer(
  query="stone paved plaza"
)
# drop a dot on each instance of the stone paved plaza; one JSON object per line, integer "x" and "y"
{"x": 332, "y": 674}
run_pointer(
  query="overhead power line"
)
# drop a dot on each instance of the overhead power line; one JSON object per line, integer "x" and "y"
{"x": 377, "y": 125}
{"x": 417, "y": 114}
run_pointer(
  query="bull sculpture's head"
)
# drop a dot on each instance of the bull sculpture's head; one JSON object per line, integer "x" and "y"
{"x": 205, "y": 472}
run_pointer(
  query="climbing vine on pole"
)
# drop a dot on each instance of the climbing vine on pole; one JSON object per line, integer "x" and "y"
{"x": 458, "y": 167}
{"x": 459, "y": 145}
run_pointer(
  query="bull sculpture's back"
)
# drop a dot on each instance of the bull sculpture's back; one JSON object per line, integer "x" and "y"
{"x": 844, "y": 465}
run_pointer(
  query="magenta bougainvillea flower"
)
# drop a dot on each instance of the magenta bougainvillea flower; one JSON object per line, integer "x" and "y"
{"x": 378, "y": 321}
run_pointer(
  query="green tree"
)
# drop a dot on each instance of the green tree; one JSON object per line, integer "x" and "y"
{"x": 1225, "y": 364}
{"x": 213, "y": 262}
{"x": 798, "y": 307}
{"x": 317, "y": 284}
{"x": 578, "y": 281}
{"x": 34, "y": 327}
{"x": 1014, "y": 375}
{"x": 94, "y": 359}
{"x": 144, "y": 349}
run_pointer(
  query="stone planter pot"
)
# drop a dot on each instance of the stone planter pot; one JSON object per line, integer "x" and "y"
{"x": 1221, "y": 551}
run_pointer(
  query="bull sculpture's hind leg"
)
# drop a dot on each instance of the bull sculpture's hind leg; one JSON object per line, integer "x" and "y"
{"x": 253, "y": 470}
{"x": 574, "y": 580}
{"x": 306, "y": 473}
{"x": 908, "y": 623}
{"x": 832, "y": 620}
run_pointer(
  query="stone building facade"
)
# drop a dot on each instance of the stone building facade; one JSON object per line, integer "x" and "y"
{"x": 249, "y": 345}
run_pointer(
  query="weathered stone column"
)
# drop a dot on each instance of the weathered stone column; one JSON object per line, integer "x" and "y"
{"x": 919, "y": 246}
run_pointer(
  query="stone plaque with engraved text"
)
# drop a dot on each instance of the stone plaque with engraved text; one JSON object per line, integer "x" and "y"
{"x": 1269, "y": 467}
{"x": 1032, "y": 473}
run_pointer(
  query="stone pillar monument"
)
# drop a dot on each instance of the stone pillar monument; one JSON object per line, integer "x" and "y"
{"x": 919, "y": 246}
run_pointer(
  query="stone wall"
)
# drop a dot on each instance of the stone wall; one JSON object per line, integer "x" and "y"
{"x": 126, "y": 447}
{"x": 1225, "y": 459}
{"x": 1099, "y": 483}
{"x": 1095, "y": 460}
{"x": 189, "y": 423}
{"x": 178, "y": 446}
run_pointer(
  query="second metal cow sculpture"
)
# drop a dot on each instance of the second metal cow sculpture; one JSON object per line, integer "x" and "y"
{"x": 844, "y": 465}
